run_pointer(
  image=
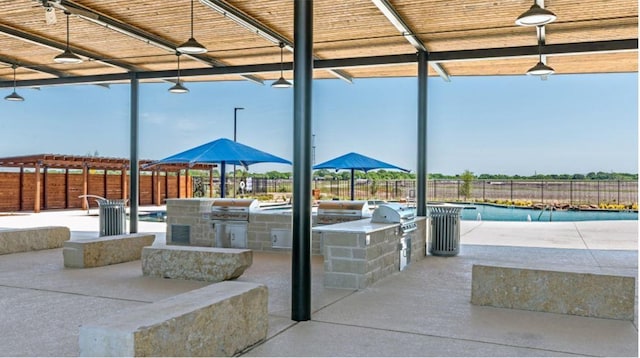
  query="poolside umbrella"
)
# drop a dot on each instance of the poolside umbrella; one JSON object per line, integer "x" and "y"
{"x": 355, "y": 161}
{"x": 223, "y": 151}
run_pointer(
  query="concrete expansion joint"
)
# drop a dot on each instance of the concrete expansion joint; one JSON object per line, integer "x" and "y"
{"x": 553, "y": 351}
{"x": 74, "y": 294}
{"x": 595, "y": 259}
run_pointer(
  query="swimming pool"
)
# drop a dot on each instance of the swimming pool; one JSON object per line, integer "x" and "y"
{"x": 500, "y": 213}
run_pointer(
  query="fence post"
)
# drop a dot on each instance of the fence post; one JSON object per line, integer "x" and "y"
{"x": 571, "y": 193}
{"x": 618, "y": 191}
{"x": 483, "y": 191}
{"x": 458, "y": 186}
{"x": 542, "y": 191}
{"x": 598, "y": 193}
{"x": 386, "y": 190}
{"x": 511, "y": 193}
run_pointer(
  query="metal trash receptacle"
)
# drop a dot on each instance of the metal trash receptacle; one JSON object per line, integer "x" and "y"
{"x": 113, "y": 216}
{"x": 444, "y": 231}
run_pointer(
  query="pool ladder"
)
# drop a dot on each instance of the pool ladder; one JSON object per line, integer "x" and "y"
{"x": 548, "y": 207}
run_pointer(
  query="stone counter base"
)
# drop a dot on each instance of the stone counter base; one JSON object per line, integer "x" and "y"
{"x": 581, "y": 294}
{"x": 222, "y": 319}
{"x": 211, "y": 264}
{"x": 31, "y": 239}
{"x": 105, "y": 250}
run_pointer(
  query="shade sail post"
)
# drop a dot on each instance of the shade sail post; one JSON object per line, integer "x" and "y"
{"x": 134, "y": 166}
{"x": 223, "y": 177}
{"x": 353, "y": 184}
{"x": 421, "y": 190}
{"x": 301, "y": 225}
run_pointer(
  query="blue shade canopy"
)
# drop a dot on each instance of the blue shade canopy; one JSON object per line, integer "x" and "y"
{"x": 356, "y": 161}
{"x": 222, "y": 150}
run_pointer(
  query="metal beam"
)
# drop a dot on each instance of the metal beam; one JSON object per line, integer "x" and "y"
{"x": 262, "y": 30}
{"x": 134, "y": 159}
{"x": 301, "y": 207}
{"x": 138, "y": 34}
{"x": 32, "y": 66}
{"x": 630, "y": 45}
{"x": 394, "y": 17}
{"x": 421, "y": 180}
{"x": 43, "y": 41}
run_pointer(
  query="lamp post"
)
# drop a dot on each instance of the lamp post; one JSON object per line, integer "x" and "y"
{"x": 235, "y": 129}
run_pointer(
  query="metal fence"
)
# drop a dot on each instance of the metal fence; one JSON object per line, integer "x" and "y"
{"x": 570, "y": 192}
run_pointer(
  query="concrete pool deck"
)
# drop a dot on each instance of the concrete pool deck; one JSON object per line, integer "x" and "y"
{"x": 422, "y": 311}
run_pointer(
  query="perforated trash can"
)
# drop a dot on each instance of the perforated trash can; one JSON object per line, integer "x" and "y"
{"x": 112, "y": 217}
{"x": 444, "y": 231}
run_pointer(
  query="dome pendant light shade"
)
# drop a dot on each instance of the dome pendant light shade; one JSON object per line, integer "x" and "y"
{"x": 178, "y": 87}
{"x": 281, "y": 82}
{"x": 191, "y": 46}
{"x": 535, "y": 16}
{"x": 540, "y": 69}
{"x": 14, "y": 96}
{"x": 67, "y": 57}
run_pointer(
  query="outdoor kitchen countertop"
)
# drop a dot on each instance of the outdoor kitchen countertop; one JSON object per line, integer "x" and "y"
{"x": 357, "y": 226}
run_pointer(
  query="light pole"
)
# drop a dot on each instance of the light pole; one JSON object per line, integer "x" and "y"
{"x": 235, "y": 129}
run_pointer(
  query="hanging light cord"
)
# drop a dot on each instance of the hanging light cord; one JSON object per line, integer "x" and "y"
{"x": 14, "y": 77}
{"x": 66, "y": 13}
{"x": 281, "y": 58}
{"x": 540, "y": 42}
{"x": 178, "y": 54}
{"x": 191, "y": 18}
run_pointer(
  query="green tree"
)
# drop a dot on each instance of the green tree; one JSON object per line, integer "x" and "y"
{"x": 467, "y": 180}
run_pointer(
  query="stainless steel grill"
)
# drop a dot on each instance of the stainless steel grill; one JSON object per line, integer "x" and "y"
{"x": 233, "y": 209}
{"x": 335, "y": 211}
{"x": 393, "y": 213}
{"x": 230, "y": 218}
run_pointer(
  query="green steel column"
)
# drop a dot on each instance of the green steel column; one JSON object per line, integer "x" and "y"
{"x": 133, "y": 157}
{"x": 421, "y": 192}
{"x": 301, "y": 228}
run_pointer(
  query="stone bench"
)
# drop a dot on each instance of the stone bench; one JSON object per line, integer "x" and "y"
{"x": 211, "y": 264}
{"x": 105, "y": 250}
{"x": 30, "y": 239}
{"x": 581, "y": 294}
{"x": 222, "y": 319}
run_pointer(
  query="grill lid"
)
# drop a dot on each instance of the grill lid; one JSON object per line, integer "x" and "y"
{"x": 233, "y": 209}
{"x": 393, "y": 213}
{"x": 343, "y": 208}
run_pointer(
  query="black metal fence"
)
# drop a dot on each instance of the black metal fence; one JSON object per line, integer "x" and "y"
{"x": 570, "y": 192}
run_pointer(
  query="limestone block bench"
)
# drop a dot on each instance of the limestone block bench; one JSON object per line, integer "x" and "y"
{"x": 30, "y": 239}
{"x": 581, "y": 294}
{"x": 105, "y": 250}
{"x": 222, "y": 319}
{"x": 211, "y": 264}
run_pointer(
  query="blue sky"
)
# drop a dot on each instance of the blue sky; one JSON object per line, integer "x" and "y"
{"x": 509, "y": 125}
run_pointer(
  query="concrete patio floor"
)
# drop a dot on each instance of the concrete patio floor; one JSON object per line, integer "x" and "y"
{"x": 422, "y": 311}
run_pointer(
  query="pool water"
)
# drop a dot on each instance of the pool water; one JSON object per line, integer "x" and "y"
{"x": 499, "y": 213}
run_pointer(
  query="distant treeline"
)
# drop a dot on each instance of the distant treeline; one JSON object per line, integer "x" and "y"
{"x": 325, "y": 174}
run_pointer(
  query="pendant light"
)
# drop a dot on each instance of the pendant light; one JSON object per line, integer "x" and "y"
{"x": 14, "y": 96}
{"x": 178, "y": 87}
{"x": 535, "y": 16}
{"x": 281, "y": 82}
{"x": 67, "y": 57}
{"x": 192, "y": 47}
{"x": 540, "y": 69}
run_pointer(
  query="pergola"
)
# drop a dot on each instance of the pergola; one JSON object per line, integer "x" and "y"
{"x": 43, "y": 162}
{"x": 135, "y": 41}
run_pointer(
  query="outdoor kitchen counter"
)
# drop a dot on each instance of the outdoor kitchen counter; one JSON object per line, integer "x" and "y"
{"x": 357, "y": 226}
{"x": 359, "y": 253}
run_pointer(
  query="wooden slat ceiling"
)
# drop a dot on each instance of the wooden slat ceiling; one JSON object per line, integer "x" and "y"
{"x": 342, "y": 29}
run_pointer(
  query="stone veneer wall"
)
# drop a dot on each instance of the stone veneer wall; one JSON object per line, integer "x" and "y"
{"x": 349, "y": 262}
{"x": 194, "y": 213}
